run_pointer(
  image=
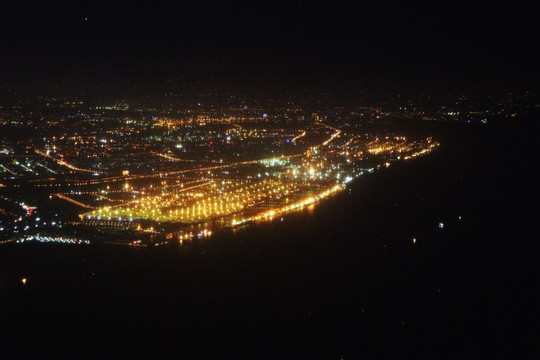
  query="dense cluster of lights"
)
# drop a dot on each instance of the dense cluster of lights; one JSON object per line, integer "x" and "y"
{"x": 52, "y": 239}
{"x": 195, "y": 204}
{"x": 288, "y": 208}
{"x": 287, "y": 170}
{"x": 284, "y": 184}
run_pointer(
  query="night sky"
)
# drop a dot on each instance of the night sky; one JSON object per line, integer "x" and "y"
{"x": 375, "y": 44}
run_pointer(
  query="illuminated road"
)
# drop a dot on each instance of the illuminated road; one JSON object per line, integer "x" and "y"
{"x": 169, "y": 157}
{"x": 78, "y": 203}
{"x": 63, "y": 163}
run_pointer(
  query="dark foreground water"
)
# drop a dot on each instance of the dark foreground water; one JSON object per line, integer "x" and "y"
{"x": 341, "y": 281}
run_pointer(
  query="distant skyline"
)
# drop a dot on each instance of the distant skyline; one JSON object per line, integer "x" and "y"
{"x": 311, "y": 44}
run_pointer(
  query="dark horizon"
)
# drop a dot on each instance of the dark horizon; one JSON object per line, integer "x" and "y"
{"x": 380, "y": 46}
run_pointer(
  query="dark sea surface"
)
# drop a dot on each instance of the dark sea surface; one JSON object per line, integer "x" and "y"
{"x": 341, "y": 280}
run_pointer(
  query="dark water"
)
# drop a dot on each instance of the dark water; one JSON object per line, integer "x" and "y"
{"x": 341, "y": 281}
